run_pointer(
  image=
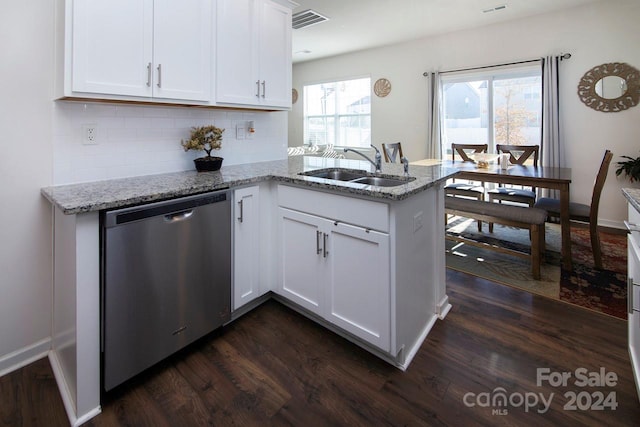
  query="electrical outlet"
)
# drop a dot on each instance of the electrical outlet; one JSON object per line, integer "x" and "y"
{"x": 90, "y": 134}
{"x": 240, "y": 132}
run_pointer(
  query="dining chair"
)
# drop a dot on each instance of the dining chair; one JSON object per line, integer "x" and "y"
{"x": 391, "y": 152}
{"x": 584, "y": 213}
{"x": 518, "y": 155}
{"x": 468, "y": 188}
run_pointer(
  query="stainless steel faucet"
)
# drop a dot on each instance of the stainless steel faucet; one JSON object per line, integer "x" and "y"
{"x": 378, "y": 157}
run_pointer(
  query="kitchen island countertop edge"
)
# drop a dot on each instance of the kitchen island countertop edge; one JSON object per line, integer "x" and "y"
{"x": 116, "y": 193}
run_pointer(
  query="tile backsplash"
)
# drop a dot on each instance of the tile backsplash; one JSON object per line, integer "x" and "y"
{"x": 144, "y": 140}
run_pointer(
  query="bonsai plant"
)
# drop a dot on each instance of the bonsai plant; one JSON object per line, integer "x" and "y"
{"x": 207, "y": 138}
{"x": 630, "y": 167}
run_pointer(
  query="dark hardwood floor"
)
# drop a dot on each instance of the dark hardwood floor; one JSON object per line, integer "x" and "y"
{"x": 274, "y": 367}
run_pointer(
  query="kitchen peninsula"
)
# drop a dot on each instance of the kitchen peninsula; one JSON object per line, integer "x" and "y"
{"x": 375, "y": 273}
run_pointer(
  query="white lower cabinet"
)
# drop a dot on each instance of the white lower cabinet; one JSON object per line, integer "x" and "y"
{"x": 246, "y": 278}
{"x": 358, "y": 287}
{"x": 302, "y": 262}
{"x": 339, "y": 272}
{"x": 633, "y": 293}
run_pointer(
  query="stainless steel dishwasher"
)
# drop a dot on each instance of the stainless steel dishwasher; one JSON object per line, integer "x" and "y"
{"x": 166, "y": 280}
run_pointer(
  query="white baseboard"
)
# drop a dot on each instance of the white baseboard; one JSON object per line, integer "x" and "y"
{"x": 443, "y": 307}
{"x": 67, "y": 398}
{"x": 611, "y": 224}
{"x": 24, "y": 356}
{"x": 416, "y": 346}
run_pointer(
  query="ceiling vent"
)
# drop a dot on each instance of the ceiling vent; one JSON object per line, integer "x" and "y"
{"x": 307, "y": 18}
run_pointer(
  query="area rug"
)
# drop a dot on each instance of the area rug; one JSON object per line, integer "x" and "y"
{"x": 604, "y": 291}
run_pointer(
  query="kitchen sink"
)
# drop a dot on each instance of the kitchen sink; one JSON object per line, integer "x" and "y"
{"x": 382, "y": 181}
{"x": 337, "y": 174}
{"x": 359, "y": 177}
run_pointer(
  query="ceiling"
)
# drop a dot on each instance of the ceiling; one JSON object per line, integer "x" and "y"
{"x": 362, "y": 24}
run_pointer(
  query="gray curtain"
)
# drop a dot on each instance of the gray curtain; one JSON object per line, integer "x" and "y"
{"x": 551, "y": 154}
{"x": 551, "y": 150}
{"x": 434, "y": 140}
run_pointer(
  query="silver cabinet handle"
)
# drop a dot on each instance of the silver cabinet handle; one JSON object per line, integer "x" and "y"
{"x": 630, "y": 295}
{"x": 318, "y": 248}
{"x": 241, "y": 217}
{"x": 324, "y": 245}
{"x": 159, "y": 75}
{"x": 149, "y": 74}
{"x": 631, "y": 226}
{"x": 258, "y": 89}
{"x": 264, "y": 86}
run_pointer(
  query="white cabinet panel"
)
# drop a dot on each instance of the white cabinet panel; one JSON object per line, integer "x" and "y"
{"x": 236, "y": 52}
{"x": 112, "y": 46}
{"x": 253, "y": 53}
{"x": 128, "y": 49}
{"x": 182, "y": 49}
{"x": 633, "y": 295}
{"x": 246, "y": 280}
{"x": 302, "y": 259}
{"x": 358, "y": 297}
{"x": 275, "y": 55}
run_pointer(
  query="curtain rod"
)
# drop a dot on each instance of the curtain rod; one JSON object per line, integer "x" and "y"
{"x": 562, "y": 56}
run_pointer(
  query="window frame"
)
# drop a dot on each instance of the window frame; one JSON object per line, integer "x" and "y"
{"x": 336, "y": 116}
{"x": 490, "y": 75}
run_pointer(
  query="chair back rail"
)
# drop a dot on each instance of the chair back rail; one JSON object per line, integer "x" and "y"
{"x": 391, "y": 152}
{"x": 463, "y": 150}
{"x": 519, "y": 154}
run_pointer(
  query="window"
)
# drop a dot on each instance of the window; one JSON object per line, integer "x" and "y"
{"x": 503, "y": 106}
{"x": 338, "y": 113}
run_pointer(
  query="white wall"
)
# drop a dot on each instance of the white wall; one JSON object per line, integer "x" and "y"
{"x": 601, "y": 32}
{"x": 26, "y": 88}
{"x": 41, "y": 146}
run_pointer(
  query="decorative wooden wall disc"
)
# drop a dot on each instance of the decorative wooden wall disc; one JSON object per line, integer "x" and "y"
{"x": 382, "y": 87}
{"x": 294, "y": 96}
{"x": 596, "y": 90}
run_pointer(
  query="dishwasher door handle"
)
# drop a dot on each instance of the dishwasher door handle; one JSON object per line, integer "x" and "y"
{"x": 179, "y": 216}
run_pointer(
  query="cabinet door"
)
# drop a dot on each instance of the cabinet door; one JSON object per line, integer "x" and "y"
{"x": 358, "y": 297}
{"x": 246, "y": 280}
{"x": 275, "y": 54}
{"x": 302, "y": 259}
{"x": 236, "y": 52}
{"x": 633, "y": 293}
{"x": 182, "y": 49}
{"x": 112, "y": 43}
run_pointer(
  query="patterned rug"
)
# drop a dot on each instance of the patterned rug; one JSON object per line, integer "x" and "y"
{"x": 603, "y": 290}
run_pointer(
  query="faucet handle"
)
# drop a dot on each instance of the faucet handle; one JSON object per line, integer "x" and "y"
{"x": 405, "y": 163}
{"x": 378, "y": 162}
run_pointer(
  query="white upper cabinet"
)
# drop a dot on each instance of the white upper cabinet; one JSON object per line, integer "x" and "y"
{"x": 182, "y": 49}
{"x": 274, "y": 52}
{"x": 112, "y": 44}
{"x": 253, "y": 45}
{"x": 117, "y": 49}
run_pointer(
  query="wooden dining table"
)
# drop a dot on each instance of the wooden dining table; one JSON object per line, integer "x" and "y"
{"x": 527, "y": 175}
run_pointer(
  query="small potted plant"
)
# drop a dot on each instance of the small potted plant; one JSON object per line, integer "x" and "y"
{"x": 630, "y": 167}
{"x": 207, "y": 138}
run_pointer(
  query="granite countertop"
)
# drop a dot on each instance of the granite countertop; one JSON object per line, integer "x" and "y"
{"x": 633, "y": 196}
{"x": 110, "y": 194}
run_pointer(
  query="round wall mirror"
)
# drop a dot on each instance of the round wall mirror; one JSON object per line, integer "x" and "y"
{"x": 610, "y": 87}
